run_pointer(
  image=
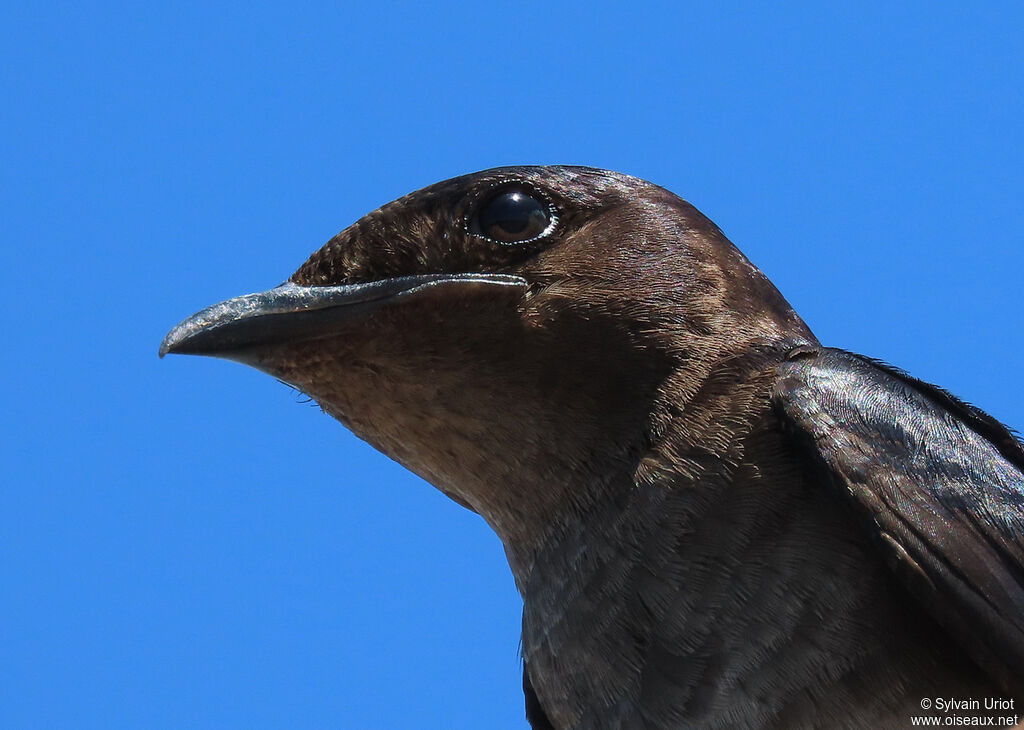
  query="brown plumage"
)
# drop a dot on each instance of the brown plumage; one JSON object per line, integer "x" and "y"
{"x": 713, "y": 521}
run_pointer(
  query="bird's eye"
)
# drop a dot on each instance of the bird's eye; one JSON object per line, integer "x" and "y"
{"x": 512, "y": 215}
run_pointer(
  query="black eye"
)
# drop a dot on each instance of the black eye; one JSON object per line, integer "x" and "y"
{"x": 512, "y": 215}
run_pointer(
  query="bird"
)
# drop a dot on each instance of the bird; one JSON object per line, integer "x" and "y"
{"x": 713, "y": 520}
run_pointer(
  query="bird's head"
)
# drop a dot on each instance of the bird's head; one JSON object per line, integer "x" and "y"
{"x": 509, "y": 335}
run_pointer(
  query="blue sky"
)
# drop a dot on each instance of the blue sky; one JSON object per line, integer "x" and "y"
{"x": 184, "y": 543}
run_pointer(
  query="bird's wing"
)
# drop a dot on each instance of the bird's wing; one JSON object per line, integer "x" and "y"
{"x": 535, "y": 714}
{"x": 939, "y": 483}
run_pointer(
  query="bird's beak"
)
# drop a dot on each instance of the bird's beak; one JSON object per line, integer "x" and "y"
{"x": 290, "y": 312}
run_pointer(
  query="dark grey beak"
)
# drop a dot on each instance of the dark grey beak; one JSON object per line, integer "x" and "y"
{"x": 290, "y": 312}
